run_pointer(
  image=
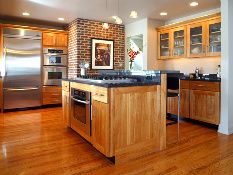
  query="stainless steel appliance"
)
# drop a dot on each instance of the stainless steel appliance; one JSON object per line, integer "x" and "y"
{"x": 52, "y": 75}
{"x": 55, "y": 57}
{"x": 21, "y": 68}
{"x": 81, "y": 112}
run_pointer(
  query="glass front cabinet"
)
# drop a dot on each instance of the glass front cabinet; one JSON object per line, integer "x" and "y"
{"x": 213, "y": 42}
{"x": 164, "y": 43}
{"x": 178, "y": 49}
{"x": 198, "y": 39}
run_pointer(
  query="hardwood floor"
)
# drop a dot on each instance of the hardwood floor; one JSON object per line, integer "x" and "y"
{"x": 37, "y": 142}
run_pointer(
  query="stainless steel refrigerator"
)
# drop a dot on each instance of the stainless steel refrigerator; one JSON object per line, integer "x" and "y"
{"x": 21, "y": 68}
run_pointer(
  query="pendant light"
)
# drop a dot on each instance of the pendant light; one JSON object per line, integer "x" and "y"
{"x": 106, "y": 25}
{"x": 118, "y": 20}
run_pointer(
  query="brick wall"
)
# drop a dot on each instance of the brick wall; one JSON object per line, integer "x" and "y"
{"x": 79, "y": 48}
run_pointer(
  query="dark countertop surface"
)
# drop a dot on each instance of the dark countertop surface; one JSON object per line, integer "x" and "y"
{"x": 202, "y": 79}
{"x": 109, "y": 85}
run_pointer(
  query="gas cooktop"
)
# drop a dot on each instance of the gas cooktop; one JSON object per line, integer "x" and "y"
{"x": 106, "y": 79}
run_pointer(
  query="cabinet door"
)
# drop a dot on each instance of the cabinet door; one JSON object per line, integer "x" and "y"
{"x": 100, "y": 127}
{"x": 178, "y": 42}
{"x": 172, "y": 104}
{"x": 213, "y": 39}
{"x": 184, "y": 103}
{"x": 204, "y": 106}
{"x": 61, "y": 40}
{"x": 164, "y": 46}
{"x": 196, "y": 40}
{"x": 66, "y": 107}
{"x": 49, "y": 39}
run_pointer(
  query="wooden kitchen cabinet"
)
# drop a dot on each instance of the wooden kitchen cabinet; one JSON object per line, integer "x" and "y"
{"x": 197, "y": 38}
{"x": 52, "y": 95}
{"x": 66, "y": 107}
{"x": 55, "y": 39}
{"x": 164, "y": 44}
{"x": 66, "y": 103}
{"x": 100, "y": 127}
{"x": 204, "y": 106}
{"x": 178, "y": 42}
{"x": 213, "y": 42}
{"x": 172, "y": 102}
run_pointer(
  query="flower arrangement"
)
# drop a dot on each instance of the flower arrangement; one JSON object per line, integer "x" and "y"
{"x": 132, "y": 54}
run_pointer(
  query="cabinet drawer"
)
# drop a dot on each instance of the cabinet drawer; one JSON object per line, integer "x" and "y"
{"x": 100, "y": 94}
{"x": 205, "y": 86}
{"x": 66, "y": 86}
{"x": 184, "y": 84}
{"x": 52, "y": 95}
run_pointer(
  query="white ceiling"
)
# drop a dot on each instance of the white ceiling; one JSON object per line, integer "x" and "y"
{"x": 50, "y": 10}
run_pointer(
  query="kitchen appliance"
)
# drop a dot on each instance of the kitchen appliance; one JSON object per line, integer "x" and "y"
{"x": 21, "y": 68}
{"x": 81, "y": 112}
{"x": 52, "y": 75}
{"x": 55, "y": 57}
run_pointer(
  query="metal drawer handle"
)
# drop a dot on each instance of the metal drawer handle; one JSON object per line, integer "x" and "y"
{"x": 55, "y": 94}
{"x": 97, "y": 94}
{"x": 20, "y": 89}
{"x": 200, "y": 85}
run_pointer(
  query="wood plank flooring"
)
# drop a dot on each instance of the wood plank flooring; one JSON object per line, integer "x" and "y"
{"x": 36, "y": 142}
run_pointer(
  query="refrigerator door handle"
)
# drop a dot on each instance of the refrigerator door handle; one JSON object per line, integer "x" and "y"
{"x": 21, "y": 89}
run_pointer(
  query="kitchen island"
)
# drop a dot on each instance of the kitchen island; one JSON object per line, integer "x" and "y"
{"x": 127, "y": 119}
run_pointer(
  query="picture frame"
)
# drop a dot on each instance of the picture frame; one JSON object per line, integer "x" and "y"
{"x": 102, "y": 54}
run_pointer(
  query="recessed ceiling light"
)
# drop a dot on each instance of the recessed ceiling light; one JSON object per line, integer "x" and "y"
{"x": 193, "y": 4}
{"x": 133, "y": 14}
{"x": 163, "y": 13}
{"x": 60, "y": 19}
{"x": 26, "y": 14}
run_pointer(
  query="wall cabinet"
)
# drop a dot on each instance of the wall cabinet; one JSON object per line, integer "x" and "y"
{"x": 55, "y": 39}
{"x": 194, "y": 39}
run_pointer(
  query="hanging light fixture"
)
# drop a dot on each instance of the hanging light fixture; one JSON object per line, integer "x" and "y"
{"x": 105, "y": 25}
{"x": 133, "y": 14}
{"x": 118, "y": 20}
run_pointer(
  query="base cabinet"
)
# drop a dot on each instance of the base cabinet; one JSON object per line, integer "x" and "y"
{"x": 100, "y": 127}
{"x": 172, "y": 104}
{"x": 204, "y": 106}
{"x": 66, "y": 107}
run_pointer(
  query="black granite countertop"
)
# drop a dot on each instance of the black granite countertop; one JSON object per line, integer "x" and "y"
{"x": 109, "y": 85}
{"x": 202, "y": 79}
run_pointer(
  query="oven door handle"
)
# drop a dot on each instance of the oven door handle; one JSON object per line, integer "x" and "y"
{"x": 80, "y": 101}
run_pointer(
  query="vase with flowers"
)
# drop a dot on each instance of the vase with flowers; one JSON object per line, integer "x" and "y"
{"x": 83, "y": 66}
{"x": 132, "y": 54}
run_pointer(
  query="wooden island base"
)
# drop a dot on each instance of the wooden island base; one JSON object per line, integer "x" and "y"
{"x": 127, "y": 122}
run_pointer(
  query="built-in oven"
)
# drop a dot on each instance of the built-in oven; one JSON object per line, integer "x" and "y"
{"x": 81, "y": 112}
{"x": 52, "y": 75}
{"x": 55, "y": 56}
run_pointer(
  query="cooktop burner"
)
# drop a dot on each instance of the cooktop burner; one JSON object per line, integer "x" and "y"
{"x": 107, "y": 79}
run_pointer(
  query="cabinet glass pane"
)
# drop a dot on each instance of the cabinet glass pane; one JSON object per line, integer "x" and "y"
{"x": 164, "y": 44}
{"x": 178, "y": 43}
{"x": 196, "y": 40}
{"x": 215, "y": 37}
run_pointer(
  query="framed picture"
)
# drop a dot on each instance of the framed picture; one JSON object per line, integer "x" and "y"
{"x": 102, "y": 54}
